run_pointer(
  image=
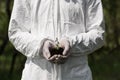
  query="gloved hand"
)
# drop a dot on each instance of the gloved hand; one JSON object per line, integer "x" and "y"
{"x": 46, "y": 53}
{"x": 65, "y": 44}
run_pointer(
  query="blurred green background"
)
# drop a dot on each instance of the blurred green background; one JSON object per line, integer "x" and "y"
{"x": 105, "y": 62}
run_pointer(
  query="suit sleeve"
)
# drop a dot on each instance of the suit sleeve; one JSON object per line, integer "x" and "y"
{"x": 93, "y": 38}
{"x": 19, "y": 31}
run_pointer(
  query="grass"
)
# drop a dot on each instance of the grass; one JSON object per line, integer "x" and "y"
{"x": 106, "y": 67}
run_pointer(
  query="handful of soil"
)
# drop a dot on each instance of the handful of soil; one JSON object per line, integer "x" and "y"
{"x": 57, "y": 51}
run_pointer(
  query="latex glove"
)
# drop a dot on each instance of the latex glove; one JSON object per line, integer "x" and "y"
{"x": 46, "y": 53}
{"x": 65, "y": 44}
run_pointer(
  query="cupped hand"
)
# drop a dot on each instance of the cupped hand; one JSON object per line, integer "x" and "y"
{"x": 47, "y": 45}
{"x": 65, "y": 44}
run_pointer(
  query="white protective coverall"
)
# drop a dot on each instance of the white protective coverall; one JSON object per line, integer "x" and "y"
{"x": 80, "y": 21}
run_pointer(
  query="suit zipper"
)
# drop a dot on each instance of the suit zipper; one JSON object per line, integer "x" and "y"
{"x": 56, "y": 69}
{"x": 56, "y": 72}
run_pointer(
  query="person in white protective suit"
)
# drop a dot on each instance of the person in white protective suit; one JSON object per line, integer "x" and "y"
{"x": 78, "y": 26}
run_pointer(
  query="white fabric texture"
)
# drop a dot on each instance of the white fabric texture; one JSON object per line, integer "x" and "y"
{"x": 34, "y": 21}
